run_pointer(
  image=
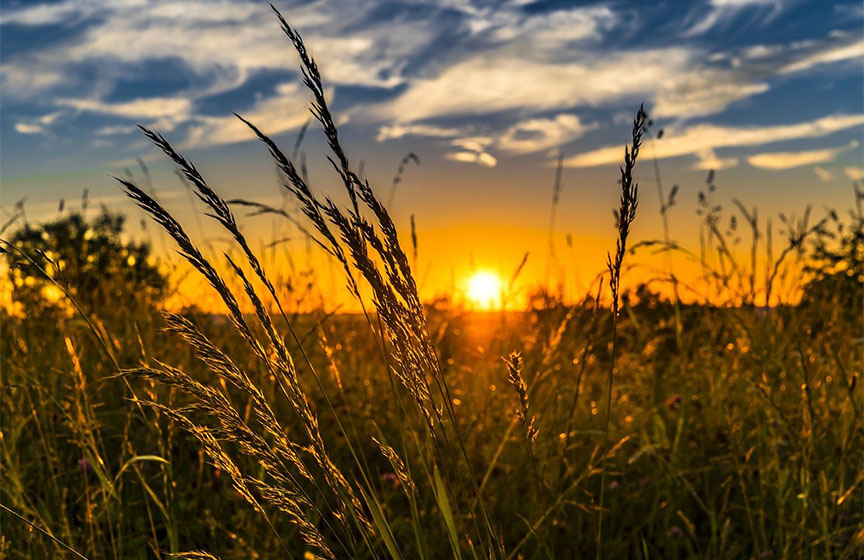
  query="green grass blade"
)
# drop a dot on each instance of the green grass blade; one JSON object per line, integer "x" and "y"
{"x": 444, "y": 506}
{"x": 137, "y": 458}
{"x": 381, "y": 525}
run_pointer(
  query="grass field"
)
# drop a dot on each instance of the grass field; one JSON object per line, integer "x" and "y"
{"x": 626, "y": 425}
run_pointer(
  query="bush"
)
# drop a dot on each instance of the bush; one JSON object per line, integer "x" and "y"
{"x": 90, "y": 258}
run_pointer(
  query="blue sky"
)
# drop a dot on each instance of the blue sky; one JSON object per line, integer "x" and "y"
{"x": 767, "y": 92}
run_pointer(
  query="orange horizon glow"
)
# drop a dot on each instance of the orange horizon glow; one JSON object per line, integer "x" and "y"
{"x": 471, "y": 267}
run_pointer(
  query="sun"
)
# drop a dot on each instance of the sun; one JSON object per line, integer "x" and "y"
{"x": 484, "y": 290}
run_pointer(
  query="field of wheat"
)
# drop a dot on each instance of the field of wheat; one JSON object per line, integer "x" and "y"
{"x": 722, "y": 420}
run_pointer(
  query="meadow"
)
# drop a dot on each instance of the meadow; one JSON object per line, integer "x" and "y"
{"x": 714, "y": 421}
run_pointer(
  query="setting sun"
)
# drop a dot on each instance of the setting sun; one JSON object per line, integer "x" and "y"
{"x": 484, "y": 290}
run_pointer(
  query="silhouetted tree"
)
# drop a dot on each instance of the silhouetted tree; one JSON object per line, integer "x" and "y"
{"x": 103, "y": 271}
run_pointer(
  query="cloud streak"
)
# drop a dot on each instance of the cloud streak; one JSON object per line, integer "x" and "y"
{"x": 703, "y": 138}
{"x": 722, "y": 12}
{"x": 542, "y": 134}
{"x": 789, "y": 160}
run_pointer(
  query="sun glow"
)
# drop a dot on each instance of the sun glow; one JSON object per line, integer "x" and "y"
{"x": 484, "y": 290}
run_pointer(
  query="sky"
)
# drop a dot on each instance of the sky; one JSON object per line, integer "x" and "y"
{"x": 766, "y": 92}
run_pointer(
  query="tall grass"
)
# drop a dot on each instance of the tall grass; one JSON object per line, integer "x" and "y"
{"x": 367, "y": 249}
{"x": 624, "y": 215}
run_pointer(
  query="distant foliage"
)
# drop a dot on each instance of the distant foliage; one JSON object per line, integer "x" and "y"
{"x": 837, "y": 262}
{"x": 90, "y": 258}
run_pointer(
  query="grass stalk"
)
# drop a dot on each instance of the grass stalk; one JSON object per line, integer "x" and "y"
{"x": 625, "y": 214}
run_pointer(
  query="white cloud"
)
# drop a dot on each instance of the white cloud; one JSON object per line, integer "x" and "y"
{"x": 141, "y": 108}
{"x": 473, "y": 149}
{"x": 530, "y": 135}
{"x": 701, "y": 137}
{"x": 221, "y": 45}
{"x": 221, "y": 42}
{"x": 534, "y": 135}
{"x": 678, "y": 81}
{"x": 38, "y": 125}
{"x": 788, "y": 160}
{"x": 483, "y": 158}
{"x": 23, "y": 78}
{"x": 49, "y": 118}
{"x": 508, "y": 60}
{"x": 547, "y": 30}
{"x": 823, "y": 174}
{"x": 473, "y": 143}
{"x": 833, "y": 53}
{"x": 722, "y": 11}
{"x": 395, "y": 131}
{"x": 708, "y": 160}
{"x": 702, "y": 94}
{"x": 29, "y": 128}
{"x": 273, "y": 115}
{"x": 283, "y": 111}
{"x": 501, "y": 81}
{"x": 60, "y": 12}
{"x": 854, "y": 173}
{"x": 114, "y": 130}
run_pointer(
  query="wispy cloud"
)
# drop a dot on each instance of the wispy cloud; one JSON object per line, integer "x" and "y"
{"x": 788, "y": 160}
{"x": 276, "y": 114}
{"x": 708, "y": 160}
{"x": 526, "y": 136}
{"x": 681, "y": 82}
{"x": 473, "y": 149}
{"x": 698, "y": 139}
{"x": 221, "y": 45}
{"x": 142, "y": 108}
{"x": 854, "y": 172}
{"x": 823, "y": 174}
{"x": 496, "y": 82}
{"x": 534, "y": 135}
{"x": 115, "y": 130}
{"x": 396, "y": 131}
{"x": 29, "y": 128}
{"x": 510, "y": 25}
{"x": 480, "y": 158}
{"x": 832, "y": 53}
{"x": 22, "y": 78}
{"x": 722, "y": 12}
{"x": 38, "y": 125}
{"x": 67, "y": 11}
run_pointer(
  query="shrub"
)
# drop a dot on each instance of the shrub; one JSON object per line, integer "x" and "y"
{"x": 90, "y": 257}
